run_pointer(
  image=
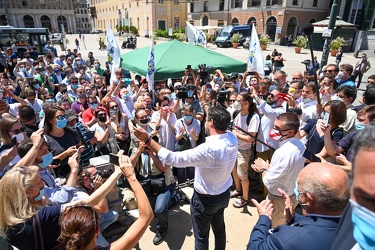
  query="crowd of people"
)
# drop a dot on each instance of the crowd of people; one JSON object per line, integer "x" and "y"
{"x": 208, "y": 131}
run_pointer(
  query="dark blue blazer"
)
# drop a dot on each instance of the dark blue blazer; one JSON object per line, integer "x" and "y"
{"x": 312, "y": 232}
{"x": 55, "y": 78}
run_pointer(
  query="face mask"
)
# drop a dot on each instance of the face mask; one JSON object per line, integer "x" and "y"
{"x": 20, "y": 136}
{"x": 306, "y": 100}
{"x": 190, "y": 93}
{"x": 364, "y": 59}
{"x": 61, "y": 123}
{"x": 46, "y": 160}
{"x": 275, "y": 135}
{"x": 237, "y": 105}
{"x": 74, "y": 86}
{"x": 23, "y": 69}
{"x": 50, "y": 100}
{"x": 125, "y": 96}
{"x": 168, "y": 96}
{"x": 339, "y": 75}
{"x": 188, "y": 118}
{"x": 363, "y": 220}
{"x": 143, "y": 121}
{"x": 208, "y": 90}
{"x": 42, "y": 73}
{"x": 96, "y": 65}
{"x": 36, "y": 86}
{"x": 78, "y": 62}
{"x": 94, "y": 105}
{"x": 102, "y": 118}
{"x": 359, "y": 126}
{"x": 277, "y": 83}
{"x": 57, "y": 70}
{"x": 296, "y": 192}
{"x": 40, "y": 196}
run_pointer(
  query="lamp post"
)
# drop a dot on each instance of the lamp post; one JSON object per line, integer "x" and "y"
{"x": 119, "y": 21}
{"x": 62, "y": 25}
{"x": 331, "y": 26}
{"x": 6, "y": 12}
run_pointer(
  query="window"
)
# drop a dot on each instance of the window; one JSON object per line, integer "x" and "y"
{"x": 253, "y": 3}
{"x": 176, "y": 23}
{"x": 221, "y": 5}
{"x": 295, "y": 2}
{"x": 137, "y": 4}
{"x": 220, "y": 23}
{"x": 191, "y": 7}
{"x": 236, "y": 3}
{"x": 161, "y": 1}
{"x": 176, "y": 2}
{"x": 315, "y": 3}
{"x": 205, "y": 6}
{"x": 273, "y": 2}
{"x": 161, "y": 24}
{"x": 24, "y": 3}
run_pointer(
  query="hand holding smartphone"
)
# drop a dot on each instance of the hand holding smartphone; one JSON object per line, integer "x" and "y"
{"x": 325, "y": 118}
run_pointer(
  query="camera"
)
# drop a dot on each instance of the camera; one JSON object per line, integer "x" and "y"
{"x": 182, "y": 93}
{"x": 105, "y": 174}
{"x": 203, "y": 73}
{"x": 306, "y": 63}
{"x": 223, "y": 96}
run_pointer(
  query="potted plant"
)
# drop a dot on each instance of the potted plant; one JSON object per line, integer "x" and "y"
{"x": 336, "y": 44}
{"x": 264, "y": 40}
{"x": 235, "y": 39}
{"x": 300, "y": 42}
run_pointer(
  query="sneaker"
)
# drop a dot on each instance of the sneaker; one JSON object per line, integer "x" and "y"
{"x": 159, "y": 236}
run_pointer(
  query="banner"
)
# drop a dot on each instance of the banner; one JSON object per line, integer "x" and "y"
{"x": 256, "y": 60}
{"x": 195, "y": 36}
{"x": 151, "y": 66}
{"x": 113, "y": 52}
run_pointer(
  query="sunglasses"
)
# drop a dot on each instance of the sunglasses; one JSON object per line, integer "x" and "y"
{"x": 232, "y": 100}
{"x": 62, "y": 117}
{"x": 114, "y": 107}
{"x": 17, "y": 131}
{"x": 329, "y": 71}
{"x": 271, "y": 95}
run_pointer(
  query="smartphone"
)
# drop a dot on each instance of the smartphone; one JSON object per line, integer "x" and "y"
{"x": 325, "y": 118}
{"x": 113, "y": 159}
{"x": 251, "y": 73}
{"x": 282, "y": 96}
{"x": 157, "y": 127}
{"x": 29, "y": 78}
{"x": 13, "y": 141}
{"x": 188, "y": 66}
{"x": 134, "y": 123}
{"x": 126, "y": 81}
{"x": 5, "y": 75}
{"x": 79, "y": 152}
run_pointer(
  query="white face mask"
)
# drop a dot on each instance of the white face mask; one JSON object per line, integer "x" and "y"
{"x": 237, "y": 105}
{"x": 340, "y": 75}
{"x": 20, "y": 136}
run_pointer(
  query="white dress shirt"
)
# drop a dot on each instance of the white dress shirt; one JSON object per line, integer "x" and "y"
{"x": 213, "y": 161}
{"x": 286, "y": 163}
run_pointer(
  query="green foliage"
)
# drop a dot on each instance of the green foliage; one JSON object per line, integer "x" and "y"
{"x": 264, "y": 39}
{"x": 337, "y": 43}
{"x": 300, "y": 41}
{"x": 236, "y": 38}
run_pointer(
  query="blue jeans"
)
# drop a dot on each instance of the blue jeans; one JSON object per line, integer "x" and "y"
{"x": 105, "y": 219}
{"x": 160, "y": 204}
{"x": 206, "y": 211}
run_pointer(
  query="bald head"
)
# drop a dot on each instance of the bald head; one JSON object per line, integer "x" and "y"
{"x": 297, "y": 76}
{"x": 327, "y": 185}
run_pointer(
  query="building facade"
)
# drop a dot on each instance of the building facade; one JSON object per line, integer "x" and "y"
{"x": 83, "y": 24}
{"x": 277, "y": 18}
{"x": 144, "y": 15}
{"x": 39, "y": 14}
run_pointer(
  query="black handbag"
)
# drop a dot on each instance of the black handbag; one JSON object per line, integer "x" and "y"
{"x": 157, "y": 183}
{"x": 184, "y": 143}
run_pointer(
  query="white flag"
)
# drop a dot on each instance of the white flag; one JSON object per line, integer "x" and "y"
{"x": 196, "y": 36}
{"x": 151, "y": 66}
{"x": 113, "y": 52}
{"x": 256, "y": 60}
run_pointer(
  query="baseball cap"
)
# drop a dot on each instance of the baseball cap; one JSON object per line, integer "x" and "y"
{"x": 71, "y": 115}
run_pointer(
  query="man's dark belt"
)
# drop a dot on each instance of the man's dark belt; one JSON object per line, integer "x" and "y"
{"x": 208, "y": 195}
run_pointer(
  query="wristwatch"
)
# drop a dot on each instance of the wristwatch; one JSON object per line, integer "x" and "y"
{"x": 262, "y": 170}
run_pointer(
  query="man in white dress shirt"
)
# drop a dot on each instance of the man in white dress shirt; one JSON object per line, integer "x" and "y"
{"x": 214, "y": 161}
{"x": 286, "y": 163}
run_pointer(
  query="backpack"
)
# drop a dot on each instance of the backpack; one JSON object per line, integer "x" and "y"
{"x": 248, "y": 119}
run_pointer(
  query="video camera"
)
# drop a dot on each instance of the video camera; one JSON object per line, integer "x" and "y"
{"x": 182, "y": 93}
{"x": 203, "y": 72}
{"x": 223, "y": 96}
{"x": 306, "y": 63}
{"x": 105, "y": 174}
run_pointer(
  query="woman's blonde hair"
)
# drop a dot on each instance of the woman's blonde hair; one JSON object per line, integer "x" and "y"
{"x": 15, "y": 208}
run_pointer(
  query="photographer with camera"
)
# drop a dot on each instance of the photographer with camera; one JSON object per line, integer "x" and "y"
{"x": 188, "y": 93}
{"x": 89, "y": 180}
{"x": 247, "y": 118}
{"x": 189, "y": 77}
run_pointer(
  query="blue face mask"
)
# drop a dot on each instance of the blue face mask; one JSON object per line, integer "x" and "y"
{"x": 46, "y": 160}
{"x": 40, "y": 196}
{"x": 61, "y": 123}
{"x": 74, "y": 86}
{"x": 359, "y": 126}
{"x": 23, "y": 69}
{"x": 306, "y": 100}
{"x": 94, "y": 105}
{"x": 36, "y": 86}
{"x": 188, "y": 118}
{"x": 296, "y": 192}
{"x": 50, "y": 100}
{"x": 42, "y": 73}
{"x": 57, "y": 70}
{"x": 363, "y": 220}
{"x": 127, "y": 96}
{"x": 190, "y": 93}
